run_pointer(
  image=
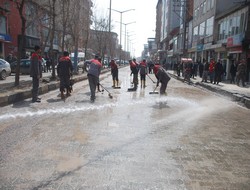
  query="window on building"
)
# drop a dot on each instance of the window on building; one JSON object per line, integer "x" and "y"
{"x": 209, "y": 26}
{"x": 237, "y": 27}
{"x": 230, "y": 27}
{"x": 202, "y": 29}
{"x": 204, "y": 7}
{"x": 3, "y": 28}
{"x": 226, "y": 28}
{"x": 233, "y": 25}
{"x": 208, "y": 5}
{"x": 195, "y": 13}
{"x": 242, "y": 17}
{"x": 212, "y": 4}
{"x": 196, "y": 33}
{"x": 201, "y": 8}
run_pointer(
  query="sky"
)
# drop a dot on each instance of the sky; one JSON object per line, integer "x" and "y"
{"x": 144, "y": 17}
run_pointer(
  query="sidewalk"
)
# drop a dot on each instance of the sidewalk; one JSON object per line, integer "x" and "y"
{"x": 236, "y": 93}
{"x": 9, "y": 93}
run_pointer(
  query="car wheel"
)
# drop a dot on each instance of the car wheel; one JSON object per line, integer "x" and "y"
{"x": 3, "y": 75}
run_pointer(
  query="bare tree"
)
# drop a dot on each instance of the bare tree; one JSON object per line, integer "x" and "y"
{"x": 20, "y": 6}
{"x": 52, "y": 4}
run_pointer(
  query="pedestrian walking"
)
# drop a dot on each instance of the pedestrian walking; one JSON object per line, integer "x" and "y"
{"x": 64, "y": 71}
{"x": 233, "y": 70}
{"x": 205, "y": 71}
{"x": 114, "y": 73}
{"x": 241, "y": 72}
{"x": 187, "y": 71}
{"x": 211, "y": 70}
{"x": 36, "y": 72}
{"x": 162, "y": 77}
{"x": 201, "y": 68}
{"x": 218, "y": 71}
{"x": 179, "y": 65}
{"x": 143, "y": 72}
{"x": 48, "y": 64}
{"x": 93, "y": 76}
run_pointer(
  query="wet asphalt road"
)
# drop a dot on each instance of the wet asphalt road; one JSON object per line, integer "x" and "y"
{"x": 190, "y": 139}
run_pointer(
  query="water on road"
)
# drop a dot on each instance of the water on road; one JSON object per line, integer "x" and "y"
{"x": 189, "y": 139}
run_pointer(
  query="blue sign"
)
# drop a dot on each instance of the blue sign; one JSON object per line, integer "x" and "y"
{"x": 5, "y": 37}
{"x": 199, "y": 47}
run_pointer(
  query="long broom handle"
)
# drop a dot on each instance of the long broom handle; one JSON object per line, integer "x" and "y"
{"x": 104, "y": 88}
{"x": 150, "y": 78}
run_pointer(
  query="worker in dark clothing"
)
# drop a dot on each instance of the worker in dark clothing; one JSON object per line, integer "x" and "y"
{"x": 93, "y": 76}
{"x": 134, "y": 71}
{"x": 114, "y": 72}
{"x": 143, "y": 72}
{"x": 36, "y": 72}
{"x": 64, "y": 71}
{"x": 162, "y": 77}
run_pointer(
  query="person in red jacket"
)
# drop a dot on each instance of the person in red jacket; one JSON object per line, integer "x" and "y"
{"x": 211, "y": 70}
{"x": 134, "y": 71}
{"x": 93, "y": 76}
{"x": 143, "y": 72}
{"x": 64, "y": 71}
{"x": 162, "y": 77}
{"x": 114, "y": 72}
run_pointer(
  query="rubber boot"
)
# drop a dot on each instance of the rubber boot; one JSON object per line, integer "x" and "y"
{"x": 113, "y": 84}
{"x": 144, "y": 84}
{"x": 141, "y": 83}
{"x": 117, "y": 83}
{"x": 68, "y": 93}
{"x": 62, "y": 94}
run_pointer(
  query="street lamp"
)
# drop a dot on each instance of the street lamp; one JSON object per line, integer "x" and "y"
{"x": 121, "y": 12}
{"x": 125, "y": 40}
{"x": 125, "y": 36}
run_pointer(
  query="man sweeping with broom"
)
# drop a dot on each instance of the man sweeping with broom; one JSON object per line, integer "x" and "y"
{"x": 162, "y": 77}
{"x": 93, "y": 76}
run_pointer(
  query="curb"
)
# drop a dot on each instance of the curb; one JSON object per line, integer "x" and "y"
{"x": 23, "y": 94}
{"x": 243, "y": 100}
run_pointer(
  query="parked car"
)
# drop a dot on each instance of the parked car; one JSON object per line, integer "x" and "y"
{"x": 80, "y": 65}
{"x": 5, "y": 70}
{"x": 25, "y": 66}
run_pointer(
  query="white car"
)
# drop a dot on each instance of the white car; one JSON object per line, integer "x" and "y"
{"x": 5, "y": 69}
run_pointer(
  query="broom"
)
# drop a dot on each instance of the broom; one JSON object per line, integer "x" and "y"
{"x": 154, "y": 92}
{"x": 151, "y": 79}
{"x": 109, "y": 94}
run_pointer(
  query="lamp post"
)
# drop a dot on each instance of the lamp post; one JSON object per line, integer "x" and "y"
{"x": 121, "y": 12}
{"x": 125, "y": 40}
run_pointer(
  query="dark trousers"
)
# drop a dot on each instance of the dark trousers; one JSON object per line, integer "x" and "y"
{"x": 35, "y": 86}
{"x": 163, "y": 87}
{"x": 64, "y": 83}
{"x": 93, "y": 81}
{"x": 115, "y": 74}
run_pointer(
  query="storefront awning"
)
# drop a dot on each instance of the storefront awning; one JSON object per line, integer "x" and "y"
{"x": 5, "y": 38}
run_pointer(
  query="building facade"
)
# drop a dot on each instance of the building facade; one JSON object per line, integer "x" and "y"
{"x": 207, "y": 29}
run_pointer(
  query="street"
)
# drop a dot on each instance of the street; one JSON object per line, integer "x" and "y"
{"x": 191, "y": 139}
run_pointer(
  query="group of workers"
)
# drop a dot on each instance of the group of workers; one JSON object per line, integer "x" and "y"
{"x": 65, "y": 71}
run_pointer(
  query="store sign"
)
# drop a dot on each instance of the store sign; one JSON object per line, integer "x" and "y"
{"x": 235, "y": 40}
{"x": 5, "y": 37}
{"x": 199, "y": 47}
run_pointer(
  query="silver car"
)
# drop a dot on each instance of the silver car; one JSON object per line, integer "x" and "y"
{"x": 4, "y": 69}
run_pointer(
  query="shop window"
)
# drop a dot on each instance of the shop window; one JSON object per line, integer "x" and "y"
{"x": 3, "y": 29}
